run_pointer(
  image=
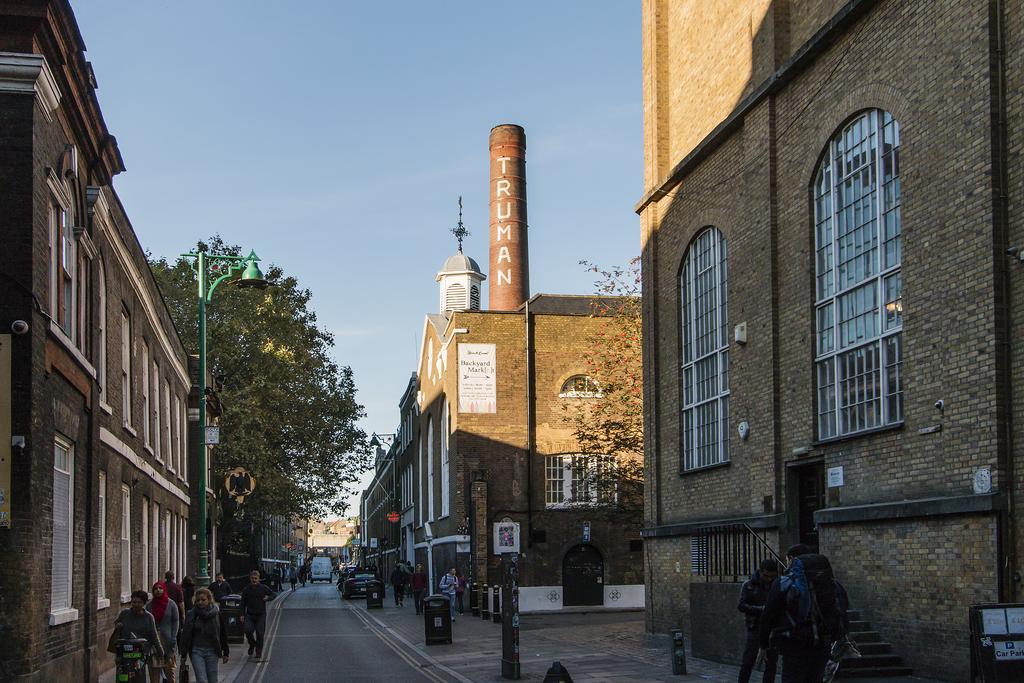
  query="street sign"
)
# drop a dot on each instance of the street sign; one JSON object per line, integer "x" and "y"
{"x": 586, "y": 532}
{"x": 373, "y": 542}
{"x": 212, "y": 436}
{"x": 393, "y": 517}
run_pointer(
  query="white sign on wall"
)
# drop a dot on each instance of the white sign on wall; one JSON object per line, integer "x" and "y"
{"x": 506, "y": 537}
{"x": 835, "y": 476}
{"x": 478, "y": 378}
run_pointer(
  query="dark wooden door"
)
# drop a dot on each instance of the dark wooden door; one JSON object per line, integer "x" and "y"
{"x": 810, "y": 488}
{"x": 583, "y": 576}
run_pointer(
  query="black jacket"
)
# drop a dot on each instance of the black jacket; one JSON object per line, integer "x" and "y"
{"x": 775, "y": 617}
{"x": 211, "y": 628}
{"x": 253, "y": 598}
{"x": 752, "y": 599}
{"x": 220, "y": 590}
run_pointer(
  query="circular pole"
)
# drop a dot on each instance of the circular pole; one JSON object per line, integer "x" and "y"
{"x": 203, "y": 575}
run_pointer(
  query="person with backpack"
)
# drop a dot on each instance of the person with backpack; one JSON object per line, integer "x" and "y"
{"x": 752, "y": 599}
{"x": 804, "y": 613}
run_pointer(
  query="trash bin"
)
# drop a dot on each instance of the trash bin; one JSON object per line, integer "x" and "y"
{"x": 374, "y": 594}
{"x": 231, "y": 606}
{"x": 437, "y": 619}
{"x": 997, "y": 642}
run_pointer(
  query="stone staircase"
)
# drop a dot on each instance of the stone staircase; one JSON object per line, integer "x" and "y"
{"x": 878, "y": 659}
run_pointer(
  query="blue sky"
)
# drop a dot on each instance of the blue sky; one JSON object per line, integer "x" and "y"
{"x": 334, "y": 138}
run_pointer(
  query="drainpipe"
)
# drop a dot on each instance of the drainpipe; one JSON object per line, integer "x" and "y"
{"x": 529, "y": 428}
{"x": 1007, "y": 570}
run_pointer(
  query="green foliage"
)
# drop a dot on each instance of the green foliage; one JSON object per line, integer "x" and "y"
{"x": 613, "y": 423}
{"x": 289, "y": 411}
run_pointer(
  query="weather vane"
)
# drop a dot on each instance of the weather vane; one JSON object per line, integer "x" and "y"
{"x": 460, "y": 230}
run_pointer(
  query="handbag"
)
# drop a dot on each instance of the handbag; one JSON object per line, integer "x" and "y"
{"x": 112, "y": 641}
{"x": 184, "y": 675}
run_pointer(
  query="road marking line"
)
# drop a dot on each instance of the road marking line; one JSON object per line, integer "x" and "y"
{"x": 268, "y": 639}
{"x": 398, "y": 636}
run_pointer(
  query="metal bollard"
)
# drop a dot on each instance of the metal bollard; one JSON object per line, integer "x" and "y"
{"x": 678, "y": 652}
{"x": 485, "y": 603}
{"x": 496, "y": 606}
{"x": 474, "y": 600}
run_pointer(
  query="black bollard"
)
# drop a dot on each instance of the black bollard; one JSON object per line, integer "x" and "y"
{"x": 496, "y": 605}
{"x": 557, "y": 674}
{"x": 678, "y": 652}
{"x": 485, "y": 603}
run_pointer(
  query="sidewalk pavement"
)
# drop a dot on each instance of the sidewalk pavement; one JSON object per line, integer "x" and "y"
{"x": 593, "y": 646}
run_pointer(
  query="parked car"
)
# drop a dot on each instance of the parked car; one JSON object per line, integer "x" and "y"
{"x": 320, "y": 569}
{"x": 355, "y": 584}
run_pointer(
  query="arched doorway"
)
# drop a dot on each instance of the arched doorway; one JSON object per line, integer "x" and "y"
{"x": 582, "y": 576}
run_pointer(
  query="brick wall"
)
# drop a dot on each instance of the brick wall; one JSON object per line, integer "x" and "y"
{"x": 754, "y": 186}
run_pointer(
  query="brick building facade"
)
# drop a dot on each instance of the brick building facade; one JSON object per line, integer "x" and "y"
{"x": 829, "y": 306}
{"x": 513, "y": 458}
{"x": 99, "y": 488}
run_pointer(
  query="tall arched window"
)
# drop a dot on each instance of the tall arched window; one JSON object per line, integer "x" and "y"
{"x": 101, "y": 355}
{"x": 703, "y": 285}
{"x": 446, "y": 427}
{"x": 430, "y": 468}
{"x": 858, "y": 286}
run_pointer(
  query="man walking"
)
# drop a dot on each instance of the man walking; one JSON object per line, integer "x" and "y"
{"x": 804, "y": 613}
{"x": 220, "y": 588}
{"x": 255, "y": 597}
{"x": 752, "y": 599}
{"x": 174, "y": 592}
{"x": 418, "y": 583}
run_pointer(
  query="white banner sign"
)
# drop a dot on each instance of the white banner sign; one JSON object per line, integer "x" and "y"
{"x": 478, "y": 378}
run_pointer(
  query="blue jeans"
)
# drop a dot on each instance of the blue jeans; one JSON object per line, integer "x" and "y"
{"x": 451, "y": 604}
{"x": 204, "y": 664}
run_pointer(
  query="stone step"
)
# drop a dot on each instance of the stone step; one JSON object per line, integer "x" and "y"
{"x": 874, "y": 672}
{"x": 874, "y": 648}
{"x": 872, "y": 661}
{"x": 865, "y": 636}
{"x": 854, "y": 614}
{"x": 859, "y": 625}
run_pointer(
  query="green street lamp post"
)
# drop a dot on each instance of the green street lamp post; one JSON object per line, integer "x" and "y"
{"x": 215, "y": 267}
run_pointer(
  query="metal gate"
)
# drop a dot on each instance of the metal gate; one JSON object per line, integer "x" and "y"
{"x": 583, "y": 576}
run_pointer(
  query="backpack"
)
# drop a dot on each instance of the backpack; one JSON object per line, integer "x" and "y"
{"x": 813, "y": 613}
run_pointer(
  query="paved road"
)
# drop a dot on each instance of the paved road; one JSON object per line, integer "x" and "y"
{"x": 313, "y": 635}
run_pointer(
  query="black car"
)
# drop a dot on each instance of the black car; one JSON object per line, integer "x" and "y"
{"x": 355, "y": 584}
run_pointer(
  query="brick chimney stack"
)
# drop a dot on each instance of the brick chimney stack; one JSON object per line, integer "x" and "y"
{"x": 510, "y": 256}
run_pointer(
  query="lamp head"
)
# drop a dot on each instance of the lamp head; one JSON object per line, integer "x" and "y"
{"x": 252, "y": 276}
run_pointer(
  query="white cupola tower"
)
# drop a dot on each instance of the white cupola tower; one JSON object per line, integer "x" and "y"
{"x": 460, "y": 277}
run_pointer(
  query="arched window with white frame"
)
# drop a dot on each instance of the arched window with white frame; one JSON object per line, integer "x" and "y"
{"x": 446, "y": 427}
{"x": 858, "y": 282}
{"x": 703, "y": 289}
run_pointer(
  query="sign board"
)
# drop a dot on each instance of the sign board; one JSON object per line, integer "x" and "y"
{"x": 835, "y": 476}
{"x": 239, "y": 484}
{"x": 993, "y": 622}
{"x": 357, "y": 542}
{"x": 478, "y": 378}
{"x": 586, "y": 532}
{"x": 1008, "y": 649}
{"x": 1015, "y": 619}
{"x": 212, "y": 435}
{"x": 506, "y": 537}
{"x": 393, "y": 517}
{"x": 373, "y": 542}
{"x": 5, "y": 430}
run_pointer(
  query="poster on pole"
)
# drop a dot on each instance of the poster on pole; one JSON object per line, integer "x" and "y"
{"x": 478, "y": 378}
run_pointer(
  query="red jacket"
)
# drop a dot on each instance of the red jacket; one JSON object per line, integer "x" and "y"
{"x": 418, "y": 581}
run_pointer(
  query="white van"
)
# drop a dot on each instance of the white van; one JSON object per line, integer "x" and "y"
{"x": 320, "y": 570}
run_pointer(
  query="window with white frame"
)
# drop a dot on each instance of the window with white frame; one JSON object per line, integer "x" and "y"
{"x": 703, "y": 288}
{"x": 183, "y": 439}
{"x": 101, "y": 540}
{"x": 858, "y": 283}
{"x": 147, "y": 573}
{"x": 147, "y": 408}
{"x": 62, "y": 267}
{"x": 580, "y": 386}
{"x": 61, "y": 554}
{"x": 126, "y": 549}
{"x": 155, "y": 408}
{"x": 154, "y": 545}
{"x": 168, "y": 544}
{"x": 446, "y": 427}
{"x": 430, "y": 468}
{"x": 172, "y": 455}
{"x": 126, "y": 369}
{"x": 579, "y": 479}
{"x": 179, "y": 439}
{"x": 419, "y": 478}
{"x": 101, "y": 356}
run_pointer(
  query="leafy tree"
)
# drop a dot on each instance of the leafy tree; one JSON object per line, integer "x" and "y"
{"x": 610, "y": 426}
{"x": 289, "y": 411}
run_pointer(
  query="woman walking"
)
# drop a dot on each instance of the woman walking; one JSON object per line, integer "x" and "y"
{"x": 398, "y": 584}
{"x": 136, "y": 622}
{"x": 460, "y": 588}
{"x": 204, "y": 638}
{"x": 418, "y": 583}
{"x": 165, "y": 614}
